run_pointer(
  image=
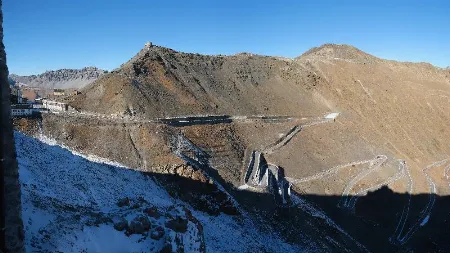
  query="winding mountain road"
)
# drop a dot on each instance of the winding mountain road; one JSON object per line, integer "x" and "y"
{"x": 399, "y": 174}
{"x": 345, "y": 200}
{"x": 425, "y": 214}
{"x": 329, "y": 171}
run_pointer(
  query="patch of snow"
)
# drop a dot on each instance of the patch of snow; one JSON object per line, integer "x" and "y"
{"x": 105, "y": 238}
{"x": 243, "y": 187}
{"x": 332, "y": 115}
{"x": 425, "y": 221}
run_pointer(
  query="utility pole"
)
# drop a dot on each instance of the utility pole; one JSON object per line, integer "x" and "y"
{"x": 11, "y": 226}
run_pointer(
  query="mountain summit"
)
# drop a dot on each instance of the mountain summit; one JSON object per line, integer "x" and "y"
{"x": 338, "y": 51}
{"x": 161, "y": 82}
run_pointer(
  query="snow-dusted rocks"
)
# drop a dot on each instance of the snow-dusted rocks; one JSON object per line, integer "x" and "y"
{"x": 120, "y": 223}
{"x": 152, "y": 212}
{"x": 332, "y": 115}
{"x": 157, "y": 233}
{"x": 139, "y": 225}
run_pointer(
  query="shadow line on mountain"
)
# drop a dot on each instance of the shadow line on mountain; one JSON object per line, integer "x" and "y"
{"x": 372, "y": 223}
{"x": 318, "y": 218}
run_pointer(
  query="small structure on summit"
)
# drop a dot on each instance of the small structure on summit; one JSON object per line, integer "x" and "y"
{"x": 148, "y": 44}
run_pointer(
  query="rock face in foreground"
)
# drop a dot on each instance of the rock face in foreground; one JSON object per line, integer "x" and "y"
{"x": 11, "y": 226}
{"x": 62, "y": 78}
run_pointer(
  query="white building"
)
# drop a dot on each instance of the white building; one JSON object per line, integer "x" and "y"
{"x": 54, "y": 105}
{"x": 20, "y": 110}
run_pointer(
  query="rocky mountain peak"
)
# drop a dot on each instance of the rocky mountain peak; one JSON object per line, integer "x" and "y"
{"x": 338, "y": 51}
{"x": 61, "y": 78}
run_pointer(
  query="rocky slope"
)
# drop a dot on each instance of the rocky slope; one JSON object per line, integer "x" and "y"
{"x": 275, "y": 136}
{"x": 386, "y": 107}
{"x": 61, "y": 79}
{"x": 74, "y": 203}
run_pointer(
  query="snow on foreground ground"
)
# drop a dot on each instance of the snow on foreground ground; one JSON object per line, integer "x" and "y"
{"x": 74, "y": 203}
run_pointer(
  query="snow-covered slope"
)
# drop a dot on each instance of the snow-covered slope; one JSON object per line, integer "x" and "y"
{"x": 74, "y": 203}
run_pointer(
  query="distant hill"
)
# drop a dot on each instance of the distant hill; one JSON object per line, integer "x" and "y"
{"x": 61, "y": 78}
{"x": 339, "y": 52}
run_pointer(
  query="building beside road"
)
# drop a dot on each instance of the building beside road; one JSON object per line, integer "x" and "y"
{"x": 40, "y": 105}
{"x": 22, "y": 110}
{"x": 54, "y": 105}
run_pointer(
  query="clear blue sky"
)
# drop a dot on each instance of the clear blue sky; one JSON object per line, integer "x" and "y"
{"x": 52, "y": 34}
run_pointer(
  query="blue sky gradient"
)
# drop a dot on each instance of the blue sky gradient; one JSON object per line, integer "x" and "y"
{"x": 52, "y": 34}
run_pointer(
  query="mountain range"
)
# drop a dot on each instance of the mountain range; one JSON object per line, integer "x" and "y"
{"x": 335, "y": 146}
{"x": 61, "y": 79}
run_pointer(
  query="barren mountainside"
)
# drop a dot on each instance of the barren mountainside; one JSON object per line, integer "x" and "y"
{"x": 161, "y": 82}
{"x": 384, "y": 106}
{"x": 61, "y": 78}
{"x": 322, "y": 133}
